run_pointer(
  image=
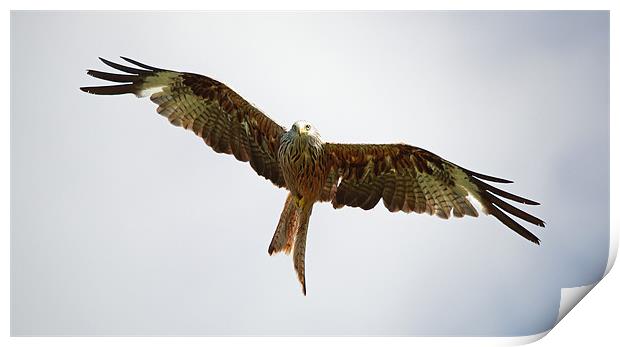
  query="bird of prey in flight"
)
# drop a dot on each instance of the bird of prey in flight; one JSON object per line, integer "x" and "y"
{"x": 406, "y": 178}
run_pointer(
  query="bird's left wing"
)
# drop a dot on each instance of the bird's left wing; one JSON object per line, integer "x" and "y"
{"x": 412, "y": 179}
{"x": 225, "y": 121}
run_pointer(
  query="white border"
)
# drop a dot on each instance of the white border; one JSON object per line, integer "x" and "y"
{"x": 284, "y": 5}
{"x": 597, "y": 320}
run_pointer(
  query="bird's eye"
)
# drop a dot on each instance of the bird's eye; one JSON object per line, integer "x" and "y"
{"x": 308, "y": 127}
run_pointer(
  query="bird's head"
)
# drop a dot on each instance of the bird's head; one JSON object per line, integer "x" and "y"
{"x": 304, "y": 129}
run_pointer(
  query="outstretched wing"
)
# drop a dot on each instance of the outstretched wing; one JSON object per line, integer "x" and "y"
{"x": 411, "y": 179}
{"x": 225, "y": 121}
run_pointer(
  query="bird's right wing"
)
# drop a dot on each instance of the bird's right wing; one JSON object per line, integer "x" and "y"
{"x": 412, "y": 179}
{"x": 225, "y": 121}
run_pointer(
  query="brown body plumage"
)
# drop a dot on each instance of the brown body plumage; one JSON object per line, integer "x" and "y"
{"x": 303, "y": 163}
{"x": 406, "y": 178}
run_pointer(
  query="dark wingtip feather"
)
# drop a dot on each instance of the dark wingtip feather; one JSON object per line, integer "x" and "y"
{"x": 487, "y": 177}
{"x": 496, "y": 206}
{"x": 144, "y": 66}
{"x": 509, "y": 222}
{"x": 513, "y": 210}
{"x": 124, "y": 68}
{"x": 110, "y": 90}
{"x": 112, "y": 77}
{"x": 485, "y": 186}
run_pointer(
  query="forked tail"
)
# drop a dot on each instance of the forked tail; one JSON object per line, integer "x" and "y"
{"x": 291, "y": 234}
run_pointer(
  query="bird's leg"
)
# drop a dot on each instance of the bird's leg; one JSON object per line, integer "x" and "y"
{"x": 299, "y": 200}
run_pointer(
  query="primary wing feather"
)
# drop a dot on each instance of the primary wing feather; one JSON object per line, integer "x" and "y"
{"x": 225, "y": 121}
{"x": 411, "y": 179}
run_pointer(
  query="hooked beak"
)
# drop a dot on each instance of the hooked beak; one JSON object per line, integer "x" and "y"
{"x": 302, "y": 131}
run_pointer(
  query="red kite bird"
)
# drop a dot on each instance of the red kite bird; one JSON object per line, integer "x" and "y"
{"x": 407, "y": 178}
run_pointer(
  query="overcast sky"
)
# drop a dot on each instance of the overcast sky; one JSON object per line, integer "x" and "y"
{"x": 125, "y": 225}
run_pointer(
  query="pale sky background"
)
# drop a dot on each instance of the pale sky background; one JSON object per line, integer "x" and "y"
{"x": 125, "y": 225}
